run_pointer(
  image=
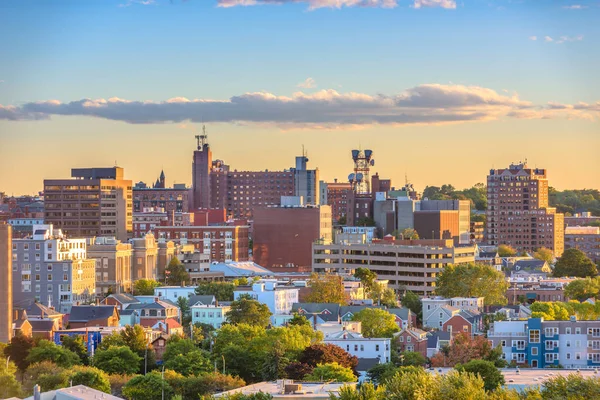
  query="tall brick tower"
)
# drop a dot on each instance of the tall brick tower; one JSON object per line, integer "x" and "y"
{"x": 201, "y": 167}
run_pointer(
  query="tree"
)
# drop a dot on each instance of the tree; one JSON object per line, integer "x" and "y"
{"x": 574, "y": 386}
{"x": 248, "y": 311}
{"x": 48, "y": 351}
{"x": 297, "y": 370}
{"x": 505, "y": 250}
{"x": 367, "y": 277}
{"x": 186, "y": 312}
{"x": 366, "y": 391}
{"x": 76, "y": 345}
{"x": 89, "y": 376}
{"x": 223, "y": 291}
{"x": 175, "y": 273}
{"x": 182, "y": 356}
{"x": 342, "y": 220}
{"x": 382, "y": 372}
{"x": 412, "y": 302}
{"x": 376, "y": 323}
{"x": 9, "y": 386}
{"x": 583, "y": 289}
{"x": 194, "y": 387}
{"x": 331, "y": 372}
{"x": 145, "y": 287}
{"x": 412, "y": 358}
{"x": 409, "y": 234}
{"x": 328, "y": 353}
{"x": 147, "y": 387}
{"x": 117, "y": 360}
{"x": 492, "y": 377}
{"x": 464, "y": 349}
{"x": 574, "y": 262}
{"x": 117, "y": 382}
{"x": 299, "y": 320}
{"x": 365, "y": 221}
{"x": 36, "y": 373}
{"x": 243, "y": 281}
{"x": 550, "y": 311}
{"x": 326, "y": 288}
{"x": 544, "y": 254}
{"x": 115, "y": 339}
{"x": 472, "y": 280}
{"x": 18, "y": 349}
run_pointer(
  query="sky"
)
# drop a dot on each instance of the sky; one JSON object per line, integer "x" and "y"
{"x": 440, "y": 90}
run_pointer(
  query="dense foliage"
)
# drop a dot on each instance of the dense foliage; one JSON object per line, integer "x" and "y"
{"x": 246, "y": 310}
{"x": 326, "y": 288}
{"x": 574, "y": 262}
{"x": 145, "y": 287}
{"x": 572, "y": 201}
{"x": 376, "y": 323}
{"x": 472, "y": 280}
{"x": 476, "y": 194}
{"x": 175, "y": 273}
{"x": 223, "y": 291}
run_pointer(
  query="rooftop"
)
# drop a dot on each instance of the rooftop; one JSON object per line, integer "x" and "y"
{"x": 310, "y": 390}
{"x": 79, "y": 392}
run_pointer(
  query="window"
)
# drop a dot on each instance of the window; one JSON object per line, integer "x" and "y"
{"x": 49, "y": 288}
{"x": 376, "y": 347}
{"x": 519, "y": 344}
{"x": 503, "y": 343}
{"x": 534, "y": 336}
{"x": 408, "y": 339}
{"x": 595, "y": 332}
{"x": 568, "y": 330}
{"x": 577, "y": 356}
{"x": 65, "y": 277}
{"x": 37, "y": 277}
{"x": 362, "y": 347}
{"x": 568, "y": 356}
{"x": 355, "y": 347}
{"x": 401, "y": 339}
{"x": 534, "y": 351}
{"x": 410, "y": 348}
{"x": 578, "y": 331}
{"x": 578, "y": 343}
{"x": 465, "y": 328}
{"x": 551, "y": 331}
{"x": 551, "y": 357}
{"x": 49, "y": 266}
{"x": 568, "y": 343}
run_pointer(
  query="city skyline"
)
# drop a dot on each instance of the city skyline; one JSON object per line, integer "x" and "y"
{"x": 505, "y": 82}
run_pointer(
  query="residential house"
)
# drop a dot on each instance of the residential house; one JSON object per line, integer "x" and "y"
{"x": 436, "y": 340}
{"x": 464, "y": 321}
{"x": 87, "y": 316}
{"x": 129, "y": 316}
{"x": 404, "y": 317}
{"x": 202, "y": 300}
{"x": 210, "y": 314}
{"x": 530, "y": 268}
{"x": 169, "y": 326}
{"x": 437, "y": 310}
{"x": 279, "y": 299}
{"x": 412, "y": 339}
{"x": 318, "y": 313}
{"x": 160, "y": 345}
{"x": 173, "y": 293}
{"x": 157, "y": 311}
{"x": 121, "y": 300}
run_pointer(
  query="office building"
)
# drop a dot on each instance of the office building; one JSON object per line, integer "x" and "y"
{"x": 584, "y": 238}
{"x": 145, "y": 258}
{"x": 306, "y": 181}
{"x": 52, "y": 269}
{"x": 113, "y": 264}
{"x": 518, "y": 213}
{"x": 149, "y": 218}
{"x": 6, "y": 283}
{"x": 406, "y": 264}
{"x": 335, "y": 194}
{"x": 95, "y": 202}
{"x": 176, "y": 198}
{"x": 283, "y": 236}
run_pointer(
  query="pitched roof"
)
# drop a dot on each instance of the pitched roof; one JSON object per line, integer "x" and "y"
{"x": 365, "y": 364}
{"x": 401, "y": 312}
{"x": 42, "y": 325}
{"x": 355, "y": 309}
{"x": 340, "y": 335}
{"x": 435, "y": 336}
{"x": 488, "y": 254}
{"x": 158, "y": 305}
{"x": 36, "y": 310}
{"x": 88, "y": 313}
{"x": 205, "y": 300}
{"x": 325, "y": 311}
{"x": 124, "y": 298}
{"x": 530, "y": 265}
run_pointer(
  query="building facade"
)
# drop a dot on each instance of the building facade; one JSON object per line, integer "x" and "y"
{"x": 406, "y": 264}
{"x": 95, "y": 202}
{"x": 113, "y": 264}
{"x": 584, "y": 238}
{"x": 6, "y": 283}
{"x": 148, "y": 219}
{"x": 335, "y": 194}
{"x": 518, "y": 213}
{"x": 175, "y": 199}
{"x": 213, "y": 315}
{"x": 145, "y": 256}
{"x": 283, "y": 236}
{"x": 279, "y": 299}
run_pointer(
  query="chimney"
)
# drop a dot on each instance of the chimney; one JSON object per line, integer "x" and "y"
{"x": 36, "y": 393}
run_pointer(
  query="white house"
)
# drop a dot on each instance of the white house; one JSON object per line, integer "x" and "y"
{"x": 210, "y": 314}
{"x": 174, "y": 292}
{"x": 279, "y": 299}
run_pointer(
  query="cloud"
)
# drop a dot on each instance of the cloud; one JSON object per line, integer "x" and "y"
{"x": 532, "y": 37}
{"x": 563, "y": 39}
{"x": 575, "y": 7}
{"x": 422, "y": 104}
{"x": 309, "y": 83}
{"x": 312, "y": 4}
{"x": 141, "y": 2}
{"x": 548, "y": 39}
{"x": 451, "y": 4}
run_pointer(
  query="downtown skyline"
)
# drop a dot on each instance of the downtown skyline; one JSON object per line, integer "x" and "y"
{"x": 440, "y": 91}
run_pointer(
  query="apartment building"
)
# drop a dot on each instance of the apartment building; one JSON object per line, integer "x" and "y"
{"x": 518, "y": 213}
{"x": 211, "y": 314}
{"x": 149, "y": 218}
{"x": 584, "y": 238}
{"x": 52, "y": 269}
{"x": 95, "y": 202}
{"x": 145, "y": 256}
{"x": 279, "y": 299}
{"x": 335, "y": 194}
{"x": 6, "y": 283}
{"x": 406, "y": 264}
{"x": 113, "y": 264}
{"x": 176, "y": 199}
{"x": 543, "y": 344}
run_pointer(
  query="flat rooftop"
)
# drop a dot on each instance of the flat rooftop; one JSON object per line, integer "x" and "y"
{"x": 310, "y": 390}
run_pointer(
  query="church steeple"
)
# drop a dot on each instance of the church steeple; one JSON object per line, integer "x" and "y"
{"x": 162, "y": 179}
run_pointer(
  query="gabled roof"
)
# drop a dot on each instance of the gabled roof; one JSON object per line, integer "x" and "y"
{"x": 531, "y": 266}
{"x": 402, "y": 312}
{"x": 348, "y": 335}
{"x": 325, "y": 311}
{"x": 488, "y": 254}
{"x": 42, "y": 325}
{"x": 36, "y": 310}
{"x": 204, "y": 300}
{"x": 124, "y": 298}
{"x": 89, "y": 313}
{"x": 435, "y": 336}
{"x": 355, "y": 309}
{"x": 169, "y": 322}
{"x": 415, "y": 332}
{"x": 157, "y": 305}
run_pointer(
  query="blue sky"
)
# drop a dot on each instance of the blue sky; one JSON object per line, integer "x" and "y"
{"x": 74, "y": 50}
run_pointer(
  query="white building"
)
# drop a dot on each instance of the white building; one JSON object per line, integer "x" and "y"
{"x": 279, "y": 299}
{"x": 210, "y": 314}
{"x": 173, "y": 293}
{"x": 437, "y": 310}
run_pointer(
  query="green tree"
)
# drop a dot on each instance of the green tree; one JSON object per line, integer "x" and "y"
{"x": 246, "y": 310}
{"x": 243, "y": 281}
{"x": 299, "y": 320}
{"x": 223, "y": 291}
{"x": 505, "y": 250}
{"x": 574, "y": 262}
{"x": 145, "y": 287}
{"x": 409, "y": 234}
{"x": 583, "y": 289}
{"x": 544, "y": 254}
{"x": 550, "y": 311}
{"x": 193, "y": 387}
{"x": 492, "y": 377}
{"x": 77, "y": 346}
{"x": 376, "y": 323}
{"x": 382, "y": 372}
{"x": 186, "y": 312}
{"x": 326, "y": 288}
{"x": 9, "y": 386}
{"x": 18, "y": 349}
{"x": 182, "y": 356}
{"x": 331, "y": 372}
{"x": 412, "y": 358}
{"x": 35, "y": 373}
{"x": 365, "y": 221}
{"x": 175, "y": 273}
{"x": 117, "y": 382}
{"x": 117, "y": 360}
{"x": 367, "y": 277}
{"x": 571, "y": 387}
{"x": 472, "y": 280}
{"x": 89, "y": 376}
{"x": 115, "y": 339}
{"x": 366, "y": 391}
{"x": 48, "y": 351}
{"x": 147, "y": 387}
{"x": 413, "y": 302}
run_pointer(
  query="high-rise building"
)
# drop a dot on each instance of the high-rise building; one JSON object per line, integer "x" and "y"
{"x": 306, "y": 181}
{"x": 518, "y": 213}
{"x": 50, "y": 269}
{"x": 95, "y": 202}
{"x": 335, "y": 194}
{"x": 6, "y": 295}
{"x": 113, "y": 264}
{"x": 201, "y": 167}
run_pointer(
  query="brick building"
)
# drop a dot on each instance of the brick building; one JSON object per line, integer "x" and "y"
{"x": 518, "y": 213}
{"x": 149, "y": 218}
{"x": 584, "y": 238}
{"x": 175, "y": 199}
{"x": 335, "y": 194}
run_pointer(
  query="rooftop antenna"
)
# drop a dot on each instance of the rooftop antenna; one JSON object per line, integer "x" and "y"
{"x": 201, "y": 139}
{"x": 406, "y": 179}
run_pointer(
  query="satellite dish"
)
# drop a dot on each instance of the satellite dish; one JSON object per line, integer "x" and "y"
{"x": 351, "y": 178}
{"x": 368, "y": 153}
{"x": 355, "y": 154}
{"x": 372, "y": 162}
{"x": 359, "y": 177}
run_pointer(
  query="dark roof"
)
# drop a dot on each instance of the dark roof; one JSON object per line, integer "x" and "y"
{"x": 355, "y": 309}
{"x": 41, "y": 325}
{"x": 434, "y": 336}
{"x": 488, "y": 254}
{"x": 529, "y": 264}
{"x": 201, "y": 299}
{"x": 127, "y": 311}
{"x": 19, "y": 323}
{"x": 36, "y": 309}
{"x": 401, "y": 312}
{"x": 89, "y": 313}
{"x": 124, "y": 298}
{"x": 159, "y": 305}
{"x": 365, "y": 364}
{"x": 317, "y": 308}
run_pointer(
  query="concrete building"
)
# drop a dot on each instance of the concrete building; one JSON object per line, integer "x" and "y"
{"x": 584, "y": 238}
{"x": 335, "y": 194}
{"x": 279, "y": 299}
{"x": 145, "y": 255}
{"x": 197, "y": 264}
{"x": 283, "y": 235}
{"x": 113, "y": 264}
{"x": 581, "y": 219}
{"x": 406, "y": 264}
{"x": 52, "y": 269}
{"x": 6, "y": 283}
{"x": 149, "y": 218}
{"x": 166, "y": 251}
{"x": 221, "y": 243}
{"x": 177, "y": 198}
{"x": 477, "y": 231}
{"x": 213, "y": 315}
{"x": 95, "y": 202}
{"x": 23, "y": 227}
{"x": 306, "y": 182}
{"x": 518, "y": 213}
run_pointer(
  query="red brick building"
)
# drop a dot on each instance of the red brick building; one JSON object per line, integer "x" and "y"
{"x": 283, "y": 236}
{"x": 335, "y": 194}
{"x": 223, "y": 243}
{"x": 459, "y": 324}
{"x": 170, "y": 199}
{"x": 412, "y": 339}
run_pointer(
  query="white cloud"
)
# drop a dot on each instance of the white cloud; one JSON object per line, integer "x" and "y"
{"x": 309, "y": 83}
{"x": 548, "y": 39}
{"x": 423, "y": 104}
{"x": 575, "y": 7}
{"x": 141, "y": 2}
{"x": 434, "y": 3}
{"x": 532, "y": 37}
{"x": 312, "y": 4}
{"x": 563, "y": 39}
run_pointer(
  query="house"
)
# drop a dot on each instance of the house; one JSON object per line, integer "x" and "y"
{"x": 436, "y": 340}
{"x": 517, "y": 311}
{"x": 279, "y": 299}
{"x": 404, "y": 317}
{"x": 40, "y": 311}
{"x": 173, "y": 293}
{"x": 318, "y": 313}
{"x": 160, "y": 345}
{"x": 86, "y": 316}
{"x": 129, "y": 316}
{"x": 158, "y": 309}
{"x": 168, "y": 326}
{"x": 530, "y": 268}
{"x": 121, "y": 300}
{"x": 464, "y": 321}
{"x": 202, "y": 300}
{"x": 43, "y": 328}
{"x": 437, "y": 310}
{"x": 488, "y": 255}
{"x": 412, "y": 339}
{"x": 210, "y": 314}
{"x": 347, "y": 312}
